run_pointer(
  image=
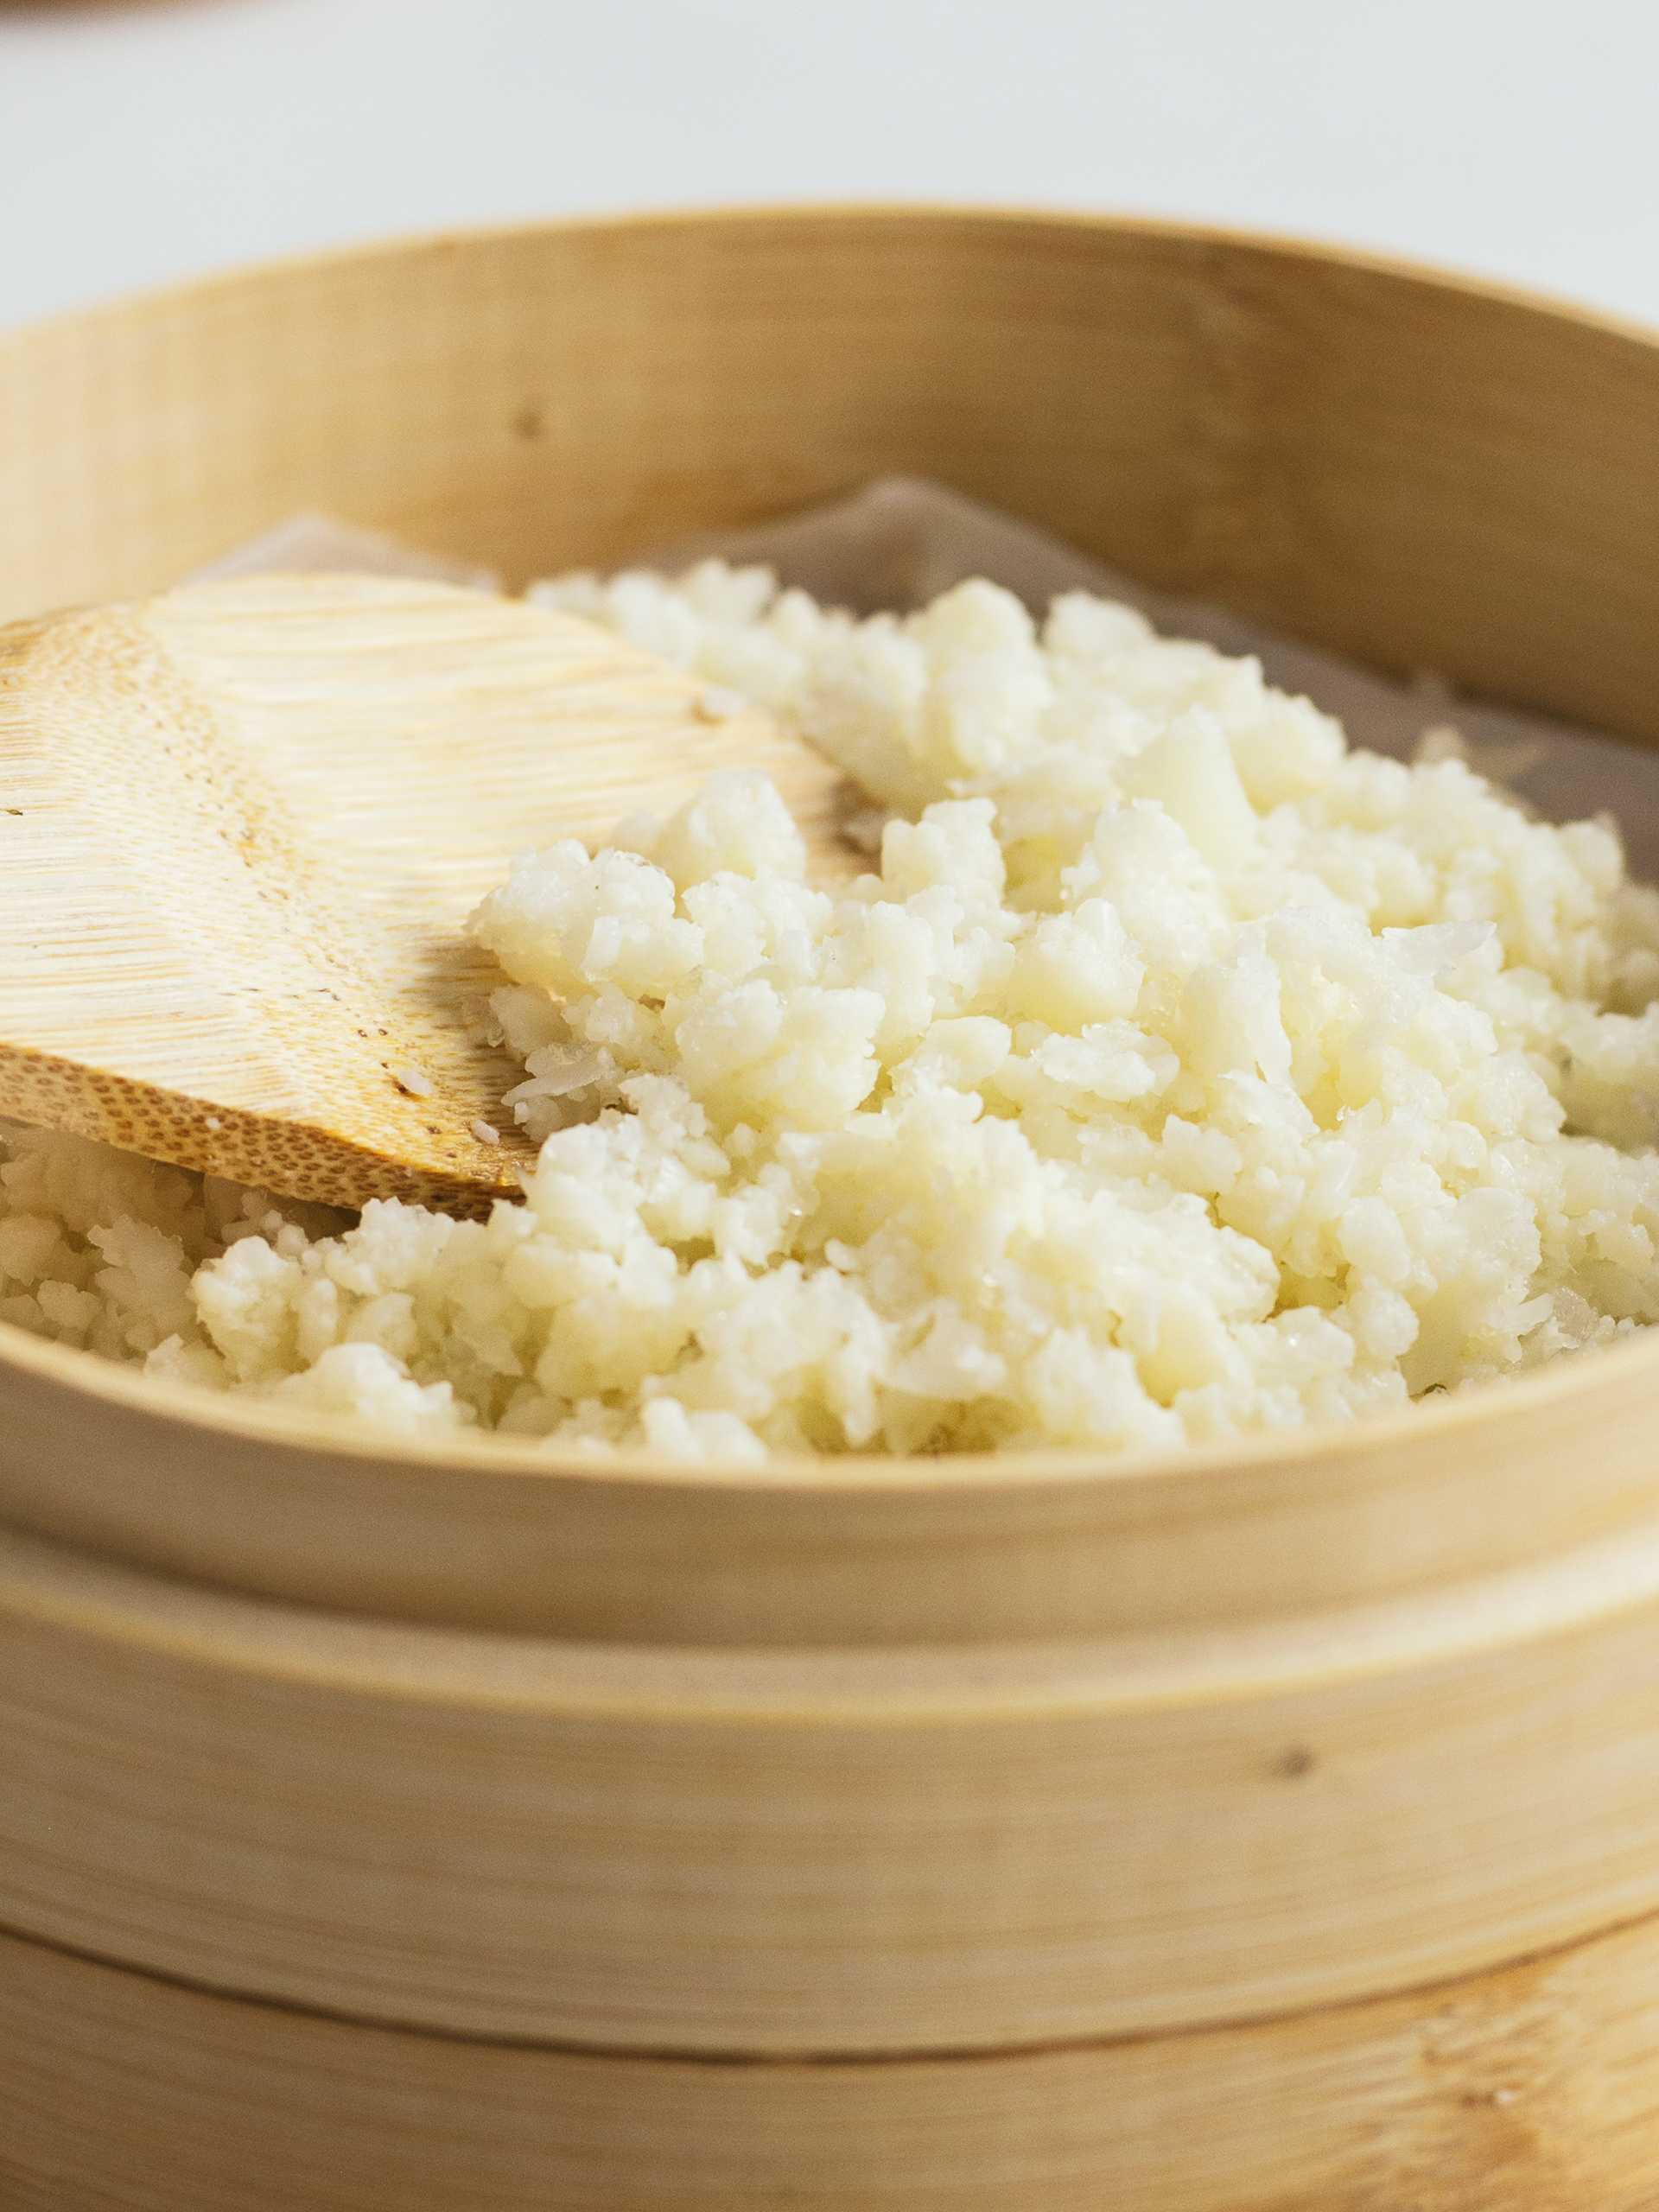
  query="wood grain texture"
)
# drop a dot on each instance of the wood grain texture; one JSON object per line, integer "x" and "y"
{"x": 840, "y": 1757}
{"x": 245, "y": 825}
{"x": 1421, "y": 471}
{"x": 736, "y": 1853}
{"x": 861, "y": 1553}
{"x": 1535, "y": 2090}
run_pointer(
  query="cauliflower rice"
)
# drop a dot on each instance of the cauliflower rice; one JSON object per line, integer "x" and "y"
{"x": 1181, "y": 1074}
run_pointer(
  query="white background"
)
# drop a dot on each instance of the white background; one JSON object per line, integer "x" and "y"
{"x": 1517, "y": 138}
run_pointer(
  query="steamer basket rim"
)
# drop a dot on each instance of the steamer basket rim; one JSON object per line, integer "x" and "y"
{"x": 82, "y": 1375}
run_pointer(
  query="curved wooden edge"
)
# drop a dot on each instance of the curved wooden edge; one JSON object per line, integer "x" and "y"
{"x": 1531, "y": 1396}
{"x": 1532, "y": 2090}
{"x": 1252, "y": 311}
{"x": 775, "y": 1853}
{"x": 1407, "y": 466}
{"x": 1013, "y": 215}
{"x": 487, "y": 1533}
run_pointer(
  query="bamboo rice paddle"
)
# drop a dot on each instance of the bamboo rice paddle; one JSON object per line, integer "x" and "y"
{"x": 243, "y": 825}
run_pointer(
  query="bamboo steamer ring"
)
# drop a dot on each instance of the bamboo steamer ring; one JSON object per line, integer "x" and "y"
{"x": 912, "y": 1781}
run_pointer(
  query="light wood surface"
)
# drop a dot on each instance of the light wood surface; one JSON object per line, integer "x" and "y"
{"x": 855, "y": 1758}
{"x": 881, "y": 1849}
{"x": 1422, "y": 471}
{"x": 245, "y": 824}
{"x": 1534, "y": 2090}
{"x": 500, "y": 1534}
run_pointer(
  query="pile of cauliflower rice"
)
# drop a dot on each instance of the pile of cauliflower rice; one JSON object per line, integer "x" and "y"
{"x": 1181, "y": 1074}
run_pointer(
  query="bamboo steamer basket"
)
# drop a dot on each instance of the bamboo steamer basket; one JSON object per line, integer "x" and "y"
{"x": 1272, "y": 1828}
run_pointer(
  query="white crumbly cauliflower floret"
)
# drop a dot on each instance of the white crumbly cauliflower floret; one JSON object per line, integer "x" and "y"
{"x": 1179, "y": 1074}
{"x": 101, "y": 1250}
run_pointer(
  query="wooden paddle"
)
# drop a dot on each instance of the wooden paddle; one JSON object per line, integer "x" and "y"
{"x": 241, "y": 828}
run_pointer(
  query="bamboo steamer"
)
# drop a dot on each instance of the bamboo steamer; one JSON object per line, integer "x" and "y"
{"x": 136, "y": 2092}
{"x": 1258, "y": 1830}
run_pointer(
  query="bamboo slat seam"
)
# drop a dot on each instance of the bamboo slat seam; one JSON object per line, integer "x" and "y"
{"x": 1429, "y": 1994}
